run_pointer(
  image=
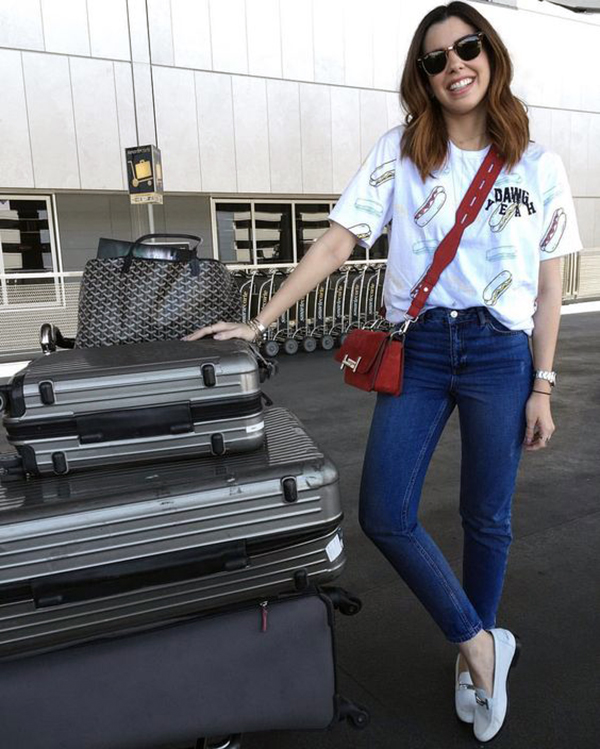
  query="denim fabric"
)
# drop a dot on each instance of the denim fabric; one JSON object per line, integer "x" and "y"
{"x": 472, "y": 361}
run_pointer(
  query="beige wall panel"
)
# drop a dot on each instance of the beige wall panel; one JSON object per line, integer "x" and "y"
{"x": 594, "y": 156}
{"x": 138, "y": 25}
{"x": 21, "y": 24}
{"x": 579, "y": 161}
{"x": 16, "y": 168}
{"x": 66, "y": 26}
{"x": 125, "y": 114}
{"x": 315, "y": 123}
{"x": 394, "y": 111}
{"x": 49, "y": 103}
{"x": 388, "y": 58}
{"x": 144, "y": 103}
{"x": 596, "y": 238}
{"x": 228, "y": 30}
{"x": 297, "y": 40}
{"x": 584, "y": 207}
{"x": 109, "y": 31}
{"x": 215, "y": 123}
{"x": 161, "y": 33}
{"x": 191, "y": 34}
{"x": 177, "y": 125}
{"x": 540, "y": 126}
{"x": 561, "y": 135}
{"x": 373, "y": 119}
{"x": 264, "y": 38}
{"x": 358, "y": 45}
{"x": 345, "y": 128}
{"x": 328, "y": 30}
{"x": 251, "y": 134}
{"x": 96, "y": 124}
{"x": 285, "y": 148}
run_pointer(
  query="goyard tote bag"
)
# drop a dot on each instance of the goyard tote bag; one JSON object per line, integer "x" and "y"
{"x": 138, "y": 292}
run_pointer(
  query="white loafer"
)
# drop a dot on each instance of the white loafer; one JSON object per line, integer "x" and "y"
{"x": 464, "y": 695}
{"x": 490, "y": 712}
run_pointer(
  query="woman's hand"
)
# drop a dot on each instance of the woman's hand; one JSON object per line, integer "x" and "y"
{"x": 540, "y": 426}
{"x": 223, "y": 331}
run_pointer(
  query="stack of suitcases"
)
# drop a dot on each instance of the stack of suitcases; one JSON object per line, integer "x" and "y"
{"x": 164, "y": 540}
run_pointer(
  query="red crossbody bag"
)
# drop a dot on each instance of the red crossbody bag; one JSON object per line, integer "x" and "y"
{"x": 374, "y": 359}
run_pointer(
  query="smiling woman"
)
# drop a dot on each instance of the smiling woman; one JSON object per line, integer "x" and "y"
{"x": 456, "y": 84}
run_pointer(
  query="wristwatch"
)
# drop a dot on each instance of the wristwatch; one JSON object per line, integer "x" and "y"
{"x": 544, "y": 374}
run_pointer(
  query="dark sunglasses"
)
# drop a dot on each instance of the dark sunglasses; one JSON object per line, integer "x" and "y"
{"x": 467, "y": 48}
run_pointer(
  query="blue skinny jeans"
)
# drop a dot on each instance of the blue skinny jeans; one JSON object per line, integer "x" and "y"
{"x": 464, "y": 358}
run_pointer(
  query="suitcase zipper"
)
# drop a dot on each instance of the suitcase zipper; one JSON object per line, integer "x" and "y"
{"x": 264, "y": 615}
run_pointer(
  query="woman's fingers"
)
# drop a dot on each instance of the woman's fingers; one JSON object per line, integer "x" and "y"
{"x": 208, "y": 330}
{"x": 223, "y": 331}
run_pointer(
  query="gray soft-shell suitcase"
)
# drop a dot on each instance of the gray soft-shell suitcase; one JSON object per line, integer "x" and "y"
{"x": 136, "y": 402}
{"x": 101, "y": 551}
{"x": 257, "y": 668}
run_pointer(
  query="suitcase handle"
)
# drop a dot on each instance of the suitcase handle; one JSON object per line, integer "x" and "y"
{"x": 171, "y": 254}
{"x": 131, "y": 575}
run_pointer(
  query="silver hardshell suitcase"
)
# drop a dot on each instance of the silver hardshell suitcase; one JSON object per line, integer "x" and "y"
{"x": 104, "y": 551}
{"x": 136, "y": 402}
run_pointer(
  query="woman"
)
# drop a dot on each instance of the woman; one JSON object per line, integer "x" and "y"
{"x": 470, "y": 346}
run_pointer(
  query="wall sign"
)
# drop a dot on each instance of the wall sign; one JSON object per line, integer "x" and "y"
{"x": 144, "y": 174}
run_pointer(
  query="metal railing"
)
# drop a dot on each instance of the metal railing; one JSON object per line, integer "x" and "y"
{"x": 29, "y": 300}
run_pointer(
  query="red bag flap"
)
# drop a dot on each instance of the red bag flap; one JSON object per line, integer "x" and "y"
{"x": 361, "y": 349}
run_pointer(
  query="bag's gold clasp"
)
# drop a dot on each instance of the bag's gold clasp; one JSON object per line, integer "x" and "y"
{"x": 350, "y": 363}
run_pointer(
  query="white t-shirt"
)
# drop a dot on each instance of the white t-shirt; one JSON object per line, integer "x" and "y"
{"x": 527, "y": 217}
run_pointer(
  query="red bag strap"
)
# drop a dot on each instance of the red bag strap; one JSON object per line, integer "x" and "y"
{"x": 465, "y": 215}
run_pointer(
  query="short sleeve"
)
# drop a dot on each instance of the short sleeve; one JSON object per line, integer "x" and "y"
{"x": 366, "y": 205}
{"x": 560, "y": 232}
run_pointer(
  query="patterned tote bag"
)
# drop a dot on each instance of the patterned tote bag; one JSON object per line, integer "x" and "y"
{"x": 136, "y": 292}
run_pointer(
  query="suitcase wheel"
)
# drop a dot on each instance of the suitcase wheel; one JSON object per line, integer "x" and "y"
{"x": 357, "y": 715}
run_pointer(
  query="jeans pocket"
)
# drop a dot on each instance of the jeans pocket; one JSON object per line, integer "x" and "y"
{"x": 497, "y": 327}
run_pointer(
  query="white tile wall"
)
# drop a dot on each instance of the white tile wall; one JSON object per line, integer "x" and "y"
{"x": 594, "y": 156}
{"x": 161, "y": 33}
{"x": 540, "y": 126}
{"x": 176, "y": 122}
{"x": 264, "y": 38}
{"x": 66, "y": 26}
{"x": 579, "y": 153}
{"x": 50, "y": 106}
{"x": 191, "y": 34}
{"x": 21, "y": 24}
{"x": 345, "y": 129}
{"x": 584, "y": 208}
{"x": 142, "y": 82}
{"x": 109, "y": 31}
{"x": 215, "y": 123}
{"x": 394, "y": 111}
{"x": 358, "y": 44}
{"x": 251, "y": 134}
{"x": 138, "y": 25}
{"x": 285, "y": 146}
{"x": 229, "y": 36}
{"x": 373, "y": 119}
{"x": 297, "y": 40}
{"x": 15, "y": 151}
{"x": 387, "y": 56}
{"x": 315, "y": 119}
{"x": 561, "y": 135}
{"x": 125, "y": 114}
{"x": 596, "y": 242}
{"x": 96, "y": 124}
{"x": 328, "y": 33}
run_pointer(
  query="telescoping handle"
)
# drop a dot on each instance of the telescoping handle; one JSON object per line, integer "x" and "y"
{"x": 131, "y": 575}
{"x": 139, "y": 249}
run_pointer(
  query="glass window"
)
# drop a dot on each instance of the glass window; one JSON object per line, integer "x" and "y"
{"x": 25, "y": 236}
{"x": 273, "y": 222}
{"x": 311, "y": 222}
{"x": 234, "y": 232}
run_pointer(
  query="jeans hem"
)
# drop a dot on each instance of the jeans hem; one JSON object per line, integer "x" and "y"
{"x": 470, "y": 636}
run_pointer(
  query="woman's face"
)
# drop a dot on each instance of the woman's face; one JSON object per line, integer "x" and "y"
{"x": 461, "y": 100}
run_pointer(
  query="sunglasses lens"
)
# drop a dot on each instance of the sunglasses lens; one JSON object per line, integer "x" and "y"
{"x": 434, "y": 62}
{"x": 468, "y": 48}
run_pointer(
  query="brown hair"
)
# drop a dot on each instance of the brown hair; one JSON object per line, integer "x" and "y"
{"x": 425, "y": 137}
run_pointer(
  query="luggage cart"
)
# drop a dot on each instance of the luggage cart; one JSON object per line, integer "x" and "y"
{"x": 284, "y": 329}
{"x": 319, "y": 329}
{"x": 270, "y": 347}
{"x": 304, "y": 325}
{"x": 338, "y": 304}
{"x": 354, "y": 304}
